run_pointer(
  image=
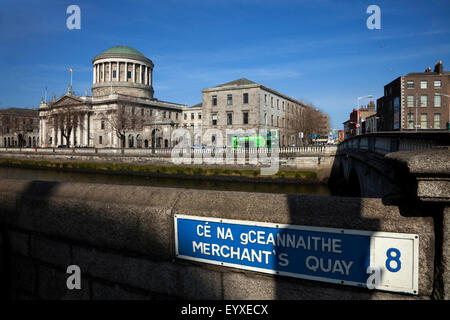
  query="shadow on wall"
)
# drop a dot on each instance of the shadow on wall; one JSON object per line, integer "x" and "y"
{"x": 125, "y": 249}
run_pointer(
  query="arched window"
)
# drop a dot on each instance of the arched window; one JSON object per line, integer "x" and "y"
{"x": 138, "y": 141}
{"x": 130, "y": 141}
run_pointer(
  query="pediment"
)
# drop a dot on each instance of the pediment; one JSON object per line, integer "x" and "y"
{"x": 67, "y": 100}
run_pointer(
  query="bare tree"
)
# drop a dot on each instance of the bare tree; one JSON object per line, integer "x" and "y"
{"x": 122, "y": 121}
{"x": 312, "y": 121}
{"x": 66, "y": 120}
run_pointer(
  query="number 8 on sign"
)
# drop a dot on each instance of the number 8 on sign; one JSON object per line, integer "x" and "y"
{"x": 393, "y": 258}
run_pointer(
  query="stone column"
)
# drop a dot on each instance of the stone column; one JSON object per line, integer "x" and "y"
{"x": 79, "y": 131}
{"x": 118, "y": 71}
{"x": 86, "y": 129}
{"x": 134, "y": 73}
{"x": 110, "y": 71}
{"x": 43, "y": 133}
{"x": 150, "y": 77}
{"x": 93, "y": 74}
{"x": 146, "y": 75}
{"x": 140, "y": 73}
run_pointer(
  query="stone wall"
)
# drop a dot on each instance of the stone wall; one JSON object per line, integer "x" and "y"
{"x": 122, "y": 238}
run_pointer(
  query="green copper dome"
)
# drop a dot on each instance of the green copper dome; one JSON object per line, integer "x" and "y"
{"x": 123, "y": 50}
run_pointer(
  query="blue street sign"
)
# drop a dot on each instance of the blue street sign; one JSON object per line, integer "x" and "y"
{"x": 325, "y": 254}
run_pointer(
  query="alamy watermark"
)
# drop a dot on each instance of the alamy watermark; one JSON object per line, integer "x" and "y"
{"x": 74, "y": 20}
{"x": 258, "y": 148}
{"x": 374, "y": 20}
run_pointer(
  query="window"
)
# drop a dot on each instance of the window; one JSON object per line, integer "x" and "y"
{"x": 265, "y": 99}
{"x": 423, "y": 84}
{"x": 282, "y": 105}
{"x": 214, "y": 100}
{"x": 114, "y": 73}
{"x": 410, "y": 84}
{"x": 176, "y": 116}
{"x": 100, "y": 140}
{"x": 128, "y": 74}
{"x": 423, "y": 121}
{"x": 245, "y": 120}
{"x": 437, "y": 100}
{"x": 199, "y": 115}
{"x": 245, "y": 97}
{"x": 278, "y": 104}
{"x": 410, "y": 121}
{"x": 271, "y": 120}
{"x": 192, "y": 116}
{"x": 214, "y": 119}
{"x": 423, "y": 100}
{"x": 103, "y": 124}
{"x": 271, "y": 101}
{"x": 229, "y": 118}
{"x": 164, "y": 114}
{"x": 437, "y": 121}
{"x": 229, "y": 99}
{"x": 410, "y": 101}
{"x": 142, "y": 112}
{"x": 437, "y": 83}
{"x": 185, "y": 116}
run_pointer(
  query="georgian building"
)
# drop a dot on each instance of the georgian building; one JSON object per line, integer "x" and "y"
{"x": 244, "y": 104}
{"x": 416, "y": 101}
{"x": 19, "y": 127}
{"x": 122, "y": 110}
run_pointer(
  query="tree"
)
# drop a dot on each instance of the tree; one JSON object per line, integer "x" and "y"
{"x": 312, "y": 121}
{"x": 122, "y": 121}
{"x": 66, "y": 120}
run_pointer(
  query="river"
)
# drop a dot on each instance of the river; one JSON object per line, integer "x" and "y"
{"x": 70, "y": 176}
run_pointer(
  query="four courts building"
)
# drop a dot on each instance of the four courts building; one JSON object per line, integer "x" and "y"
{"x": 123, "y": 112}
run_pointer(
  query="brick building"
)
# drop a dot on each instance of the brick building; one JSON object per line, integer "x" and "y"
{"x": 416, "y": 101}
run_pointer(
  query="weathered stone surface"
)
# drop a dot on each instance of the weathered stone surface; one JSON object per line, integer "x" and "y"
{"x": 23, "y": 275}
{"x": 101, "y": 291}
{"x": 132, "y": 231}
{"x": 19, "y": 243}
{"x": 53, "y": 252}
{"x": 158, "y": 277}
{"x": 200, "y": 283}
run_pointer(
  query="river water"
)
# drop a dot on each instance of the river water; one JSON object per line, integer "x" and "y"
{"x": 70, "y": 176}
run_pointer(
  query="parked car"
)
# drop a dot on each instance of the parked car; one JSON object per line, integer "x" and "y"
{"x": 62, "y": 146}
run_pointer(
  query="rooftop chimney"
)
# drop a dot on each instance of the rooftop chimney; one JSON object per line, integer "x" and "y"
{"x": 439, "y": 68}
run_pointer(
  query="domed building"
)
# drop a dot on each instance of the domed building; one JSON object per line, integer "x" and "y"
{"x": 122, "y": 111}
{"x": 125, "y": 70}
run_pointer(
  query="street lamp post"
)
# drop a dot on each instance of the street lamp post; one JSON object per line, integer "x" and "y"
{"x": 359, "y": 119}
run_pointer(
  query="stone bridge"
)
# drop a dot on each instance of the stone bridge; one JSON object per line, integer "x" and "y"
{"x": 394, "y": 165}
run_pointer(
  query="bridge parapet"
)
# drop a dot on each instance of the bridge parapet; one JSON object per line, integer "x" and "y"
{"x": 386, "y": 142}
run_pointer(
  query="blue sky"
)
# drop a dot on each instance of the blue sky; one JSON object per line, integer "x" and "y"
{"x": 318, "y": 51}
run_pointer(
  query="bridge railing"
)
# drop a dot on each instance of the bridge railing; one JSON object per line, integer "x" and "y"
{"x": 386, "y": 142}
{"x": 311, "y": 149}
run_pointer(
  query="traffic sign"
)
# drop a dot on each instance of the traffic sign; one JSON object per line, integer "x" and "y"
{"x": 374, "y": 260}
